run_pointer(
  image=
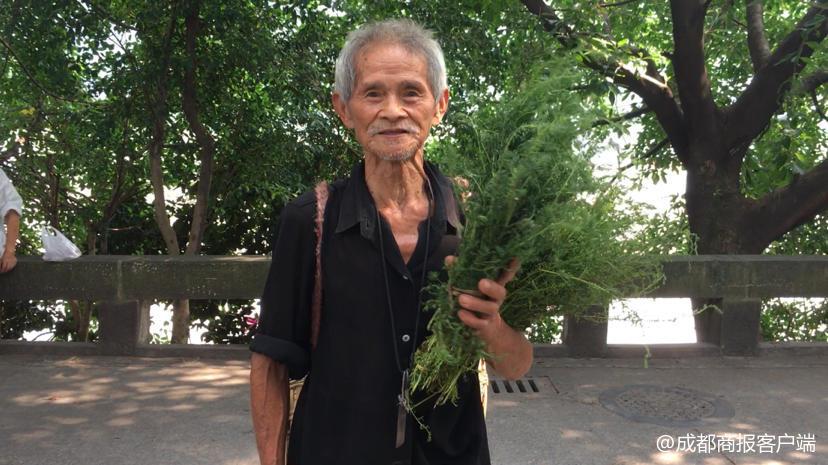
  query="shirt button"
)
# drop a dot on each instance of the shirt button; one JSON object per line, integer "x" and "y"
{"x": 406, "y": 338}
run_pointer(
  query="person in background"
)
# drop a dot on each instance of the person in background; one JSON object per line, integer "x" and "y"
{"x": 10, "y": 207}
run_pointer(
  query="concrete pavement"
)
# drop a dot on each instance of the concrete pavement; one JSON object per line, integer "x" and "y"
{"x": 123, "y": 410}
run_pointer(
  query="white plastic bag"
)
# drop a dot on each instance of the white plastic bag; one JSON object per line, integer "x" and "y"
{"x": 58, "y": 247}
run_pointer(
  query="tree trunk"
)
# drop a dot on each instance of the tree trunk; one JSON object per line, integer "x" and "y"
{"x": 53, "y": 202}
{"x": 157, "y": 103}
{"x": 719, "y": 217}
{"x": 81, "y": 311}
{"x": 207, "y": 145}
{"x": 181, "y": 322}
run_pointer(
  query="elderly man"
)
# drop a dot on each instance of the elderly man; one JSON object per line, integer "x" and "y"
{"x": 384, "y": 228}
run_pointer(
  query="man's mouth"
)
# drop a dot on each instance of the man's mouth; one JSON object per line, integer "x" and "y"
{"x": 391, "y": 131}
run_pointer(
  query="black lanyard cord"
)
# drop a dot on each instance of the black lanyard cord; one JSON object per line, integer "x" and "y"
{"x": 419, "y": 294}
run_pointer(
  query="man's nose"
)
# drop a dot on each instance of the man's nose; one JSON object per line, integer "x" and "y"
{"x": 393, "y": 108}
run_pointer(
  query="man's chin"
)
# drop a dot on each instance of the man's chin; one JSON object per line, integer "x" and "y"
{"x": 396, "y": 154}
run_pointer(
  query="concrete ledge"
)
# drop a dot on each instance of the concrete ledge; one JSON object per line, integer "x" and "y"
{"x": 793, "y": 348}
{"x": 634, "y": 351}
{"x": 127, "y": 277}
{"x": 241, "y": 352}
{"x": 8, "y": 347}
{"x": 82, "y": 349}
{"x": 692, "y": 350}
{"x": 744, "y": 277}
{"x": 550, "y": 351}
{"x": 223, "y": 352}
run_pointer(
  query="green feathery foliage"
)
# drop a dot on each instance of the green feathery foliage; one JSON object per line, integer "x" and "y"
{"x": 532, "y": 196}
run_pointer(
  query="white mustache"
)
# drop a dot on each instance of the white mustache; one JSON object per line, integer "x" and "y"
{"x": 378, "y": 128}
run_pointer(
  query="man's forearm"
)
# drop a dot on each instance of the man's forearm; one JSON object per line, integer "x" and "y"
{"x": 269, "y": 389}
{"x": 511, "y": 352}
{"x": 12, "y": 231}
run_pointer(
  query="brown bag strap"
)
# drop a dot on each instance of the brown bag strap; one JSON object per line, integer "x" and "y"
{"x": 321, "y": 192}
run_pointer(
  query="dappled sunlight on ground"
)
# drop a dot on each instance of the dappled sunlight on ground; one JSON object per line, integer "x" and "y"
{"x": 119, "y": 411}
{"x": 572, "y": 434}
{"x": 153, "y": 410}
{"x": 244, "y": 459}
{"x": 668, "y": 458}
{"x": 67, "y": 420}
{"x": 569, "y": 425}
{"x": 30, "y": 437}
{"x": 742, "y": 426}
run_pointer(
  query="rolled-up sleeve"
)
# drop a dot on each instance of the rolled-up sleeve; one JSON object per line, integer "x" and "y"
{"x": 283, "y": 331}
{"x": 9, "y": 198}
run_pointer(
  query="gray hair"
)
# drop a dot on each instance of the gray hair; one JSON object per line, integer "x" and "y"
{"x": 404, "y": 32}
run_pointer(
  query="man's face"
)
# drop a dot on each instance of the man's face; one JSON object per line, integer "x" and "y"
{"x": 391, "y": 108}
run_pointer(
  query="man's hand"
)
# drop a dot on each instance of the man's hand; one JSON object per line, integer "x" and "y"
{"x": 511, "y": 351}
{"x": 483, "y": 315}
{"x": 8, "y": 262}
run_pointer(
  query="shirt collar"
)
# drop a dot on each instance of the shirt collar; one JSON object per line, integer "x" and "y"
{"x": 358, "y": 205}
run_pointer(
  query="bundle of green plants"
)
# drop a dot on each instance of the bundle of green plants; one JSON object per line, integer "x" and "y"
{"x": 531, "y": 195}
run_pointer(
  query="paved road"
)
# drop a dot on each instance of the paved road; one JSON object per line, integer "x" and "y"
{"x": 115, "y": 411}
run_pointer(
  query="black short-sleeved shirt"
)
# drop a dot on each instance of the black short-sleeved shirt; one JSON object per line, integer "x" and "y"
{"x": 346, "y": 413}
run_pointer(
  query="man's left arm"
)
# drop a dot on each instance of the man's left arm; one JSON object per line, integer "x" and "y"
{"x": 11, "y": 205}
{"x": 9, "y": 259}
{"x": 511, "y": 351}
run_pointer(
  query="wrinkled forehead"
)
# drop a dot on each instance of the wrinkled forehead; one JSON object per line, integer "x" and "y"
{"x": 391, "y": 58}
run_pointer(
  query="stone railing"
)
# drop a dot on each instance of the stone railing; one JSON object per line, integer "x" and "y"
{"x": 125, "y": 285}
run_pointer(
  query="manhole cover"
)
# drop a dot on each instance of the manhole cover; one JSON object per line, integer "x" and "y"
{"x": 665, "y": 405}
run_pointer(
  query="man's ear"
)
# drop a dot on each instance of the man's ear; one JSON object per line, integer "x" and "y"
{"x": 442, "y": 106}
{"x": 341, "y": 108}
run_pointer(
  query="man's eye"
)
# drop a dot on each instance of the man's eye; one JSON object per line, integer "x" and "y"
{"x": 411, "y": 93}
{"x": 372, "y": 94}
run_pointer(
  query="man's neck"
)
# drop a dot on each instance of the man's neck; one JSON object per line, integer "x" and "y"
{"x": 396, "y": 185}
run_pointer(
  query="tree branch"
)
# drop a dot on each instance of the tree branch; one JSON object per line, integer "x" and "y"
{"x": 797, "y": 203}
{"x": 689, "y": 65}
{"x": 809, "y": 85}
{"x": 650, "y": 153}
{"x": 625, "y": 117}
{"x": 30, "y": 76}
{"x": 205, "y": 141}
{"x": 158, "y": 109}
{"x": 656, "y": 148}
{"x": 739, "y": 23}
{"x": 812, "y": 81}
{"x": 618, "y": 3}
{"x": 551, "y": 22}
{"x": 660, "y": 100}
{"x": 12, "y": 151}
{"x": 106, "y": 15}
{"x": 651, "y": 87}
{"x": 817, "y": 106}
{"x": 118, "y": 196}
{"x": 751, "y": 113}
{"x": 757, "y": 42}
